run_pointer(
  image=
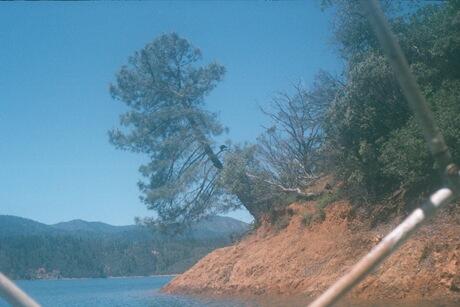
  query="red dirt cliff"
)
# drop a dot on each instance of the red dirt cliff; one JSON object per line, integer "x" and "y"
{"x": 305, "y": 260}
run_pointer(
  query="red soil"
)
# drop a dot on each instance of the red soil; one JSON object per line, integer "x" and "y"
{"x": 305, "y": 260}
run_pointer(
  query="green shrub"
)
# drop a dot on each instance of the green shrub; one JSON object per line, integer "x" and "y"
{"x": 328, "y": 198}
{"x": 309, "y": 218}
{"x": 281, "y": 222}
{"x": 374, "y": 144}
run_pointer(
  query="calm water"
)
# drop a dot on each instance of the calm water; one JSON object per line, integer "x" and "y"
{"x": 137, "y": 291}
{"x": 144, "y": 291}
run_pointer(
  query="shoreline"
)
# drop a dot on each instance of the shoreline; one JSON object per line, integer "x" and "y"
{"x": 301, "y": 299}
{"x": 107, "y": 277}
{"x": 305, "y": 260}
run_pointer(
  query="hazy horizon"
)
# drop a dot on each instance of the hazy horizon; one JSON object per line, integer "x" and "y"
{"x": 97, "y": 221}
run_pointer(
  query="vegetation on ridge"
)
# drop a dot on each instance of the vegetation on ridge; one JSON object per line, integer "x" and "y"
{"x": 32, "y": 250}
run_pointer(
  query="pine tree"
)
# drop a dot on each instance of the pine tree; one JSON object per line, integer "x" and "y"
{"x": 165, "y": 89}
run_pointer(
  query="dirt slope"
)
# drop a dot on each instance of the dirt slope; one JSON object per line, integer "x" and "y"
{"x": 306, "y": 259}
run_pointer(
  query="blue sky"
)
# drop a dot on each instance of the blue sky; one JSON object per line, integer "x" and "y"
{"x": 58, "y": 59}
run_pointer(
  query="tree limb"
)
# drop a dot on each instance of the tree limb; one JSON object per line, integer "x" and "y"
{"x": 296, "y": 191}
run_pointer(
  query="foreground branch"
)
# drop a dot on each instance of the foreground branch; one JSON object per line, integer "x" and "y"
{"x": 382, "y": 250}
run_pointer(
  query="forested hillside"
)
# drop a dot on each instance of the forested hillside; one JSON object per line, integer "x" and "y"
{"x": 29, "y": 249}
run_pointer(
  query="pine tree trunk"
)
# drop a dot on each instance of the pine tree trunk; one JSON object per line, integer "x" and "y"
{"x": 252, "y": 209}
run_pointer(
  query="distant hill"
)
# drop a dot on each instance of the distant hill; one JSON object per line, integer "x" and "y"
{"x": 98, "y": 227}
{"x": 215, "y": 226}
{"x": 78, "y": 248}
{"x": 17, "y": 226}
{"x": 218, "y": 226}
{"x": 212, "y": 227}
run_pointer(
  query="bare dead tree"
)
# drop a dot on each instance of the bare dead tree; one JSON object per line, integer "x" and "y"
{"x": 290, "y": 148}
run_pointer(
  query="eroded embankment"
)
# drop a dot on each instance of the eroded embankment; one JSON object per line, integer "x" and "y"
{"x": 307, "y": 259}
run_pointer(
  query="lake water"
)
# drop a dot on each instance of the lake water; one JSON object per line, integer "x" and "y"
{"x": 136, "y": 291}
{"x": 144, "y": 291}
